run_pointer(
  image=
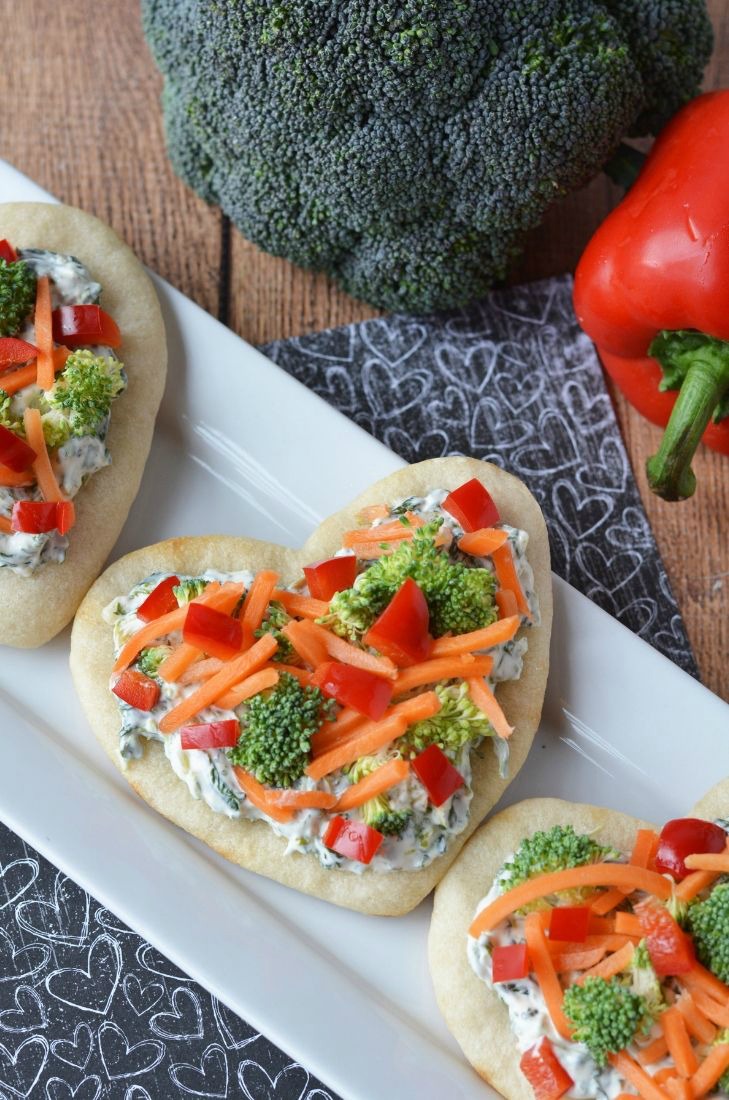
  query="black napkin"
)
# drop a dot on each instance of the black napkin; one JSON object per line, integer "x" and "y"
{"x": 87, "y": 1008}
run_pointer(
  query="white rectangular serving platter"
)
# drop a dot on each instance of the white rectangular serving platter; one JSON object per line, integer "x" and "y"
{"x": 347, "y": 995}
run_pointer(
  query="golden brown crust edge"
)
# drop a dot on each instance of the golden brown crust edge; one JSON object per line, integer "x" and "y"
{"x": 473, "y": 1012}
{"x": 33, "y": 609}
{"x": 252, "y": 844}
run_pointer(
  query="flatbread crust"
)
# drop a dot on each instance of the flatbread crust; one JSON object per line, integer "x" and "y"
{"x": 252, "y": 844}
{"x": 33, "y": 609}
{"x": 715, "y": 803}
{"x": 473, "y": 1012}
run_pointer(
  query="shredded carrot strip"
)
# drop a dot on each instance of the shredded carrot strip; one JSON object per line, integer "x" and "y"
{"x": 334, "y": 733}
{"x": 43, "y": 322}
{"x": 372, "y": 736}
{"x": 644, "y": 848}
{"x": 299, "y": 674}
{"x": 637, "y": 1076}
{"x": 506, "y": 603}
{"x": 699, "y": 978}
{"x": 679, "y": 1043}
{"x": 717, "y": 862}
{"x": 300, "y": 800}
{"x": 663, "y": 1076}
{"x": 679, "y": 1088}
{"x": 482, "y": 543}
{"x": 503, "y": 630}
{"x": 711, "y": 1069}
{"x": 384, "y": 532}
{"x": 577, "y": 960}
{"x": 612, "y": 965}
{"x": 255, "y": 603}
{"x": 606, "y": 901}
{"x": 591, "y": 874}
{"x": 201, "y": 670}
{"x": 694, "y": 883}
{"x": 257, "y": 794}
{"x": 652, "y": 1052}
{"x": 5, "y": 525}
{"x": 25, "y": 376}
{"x": 443, "y": 668}
{"x": 507, "y": 576}
{"x": 541, "y": 964}
{"x": 609, "y": 941}
{"x": 697, "y": 1023}
{"x": 12, "y": 479}
{"x": 232, "y": 673}
{"x": 372, "y": 512}
{"x": 488, "y": 704}
{"x": 310, "y": 649}
{"x": 46, "y": 478}
{"x": 369, "y": 551}
{"x": 305, "y": 606}
{"x": 712, "y": 1009}
{"x": 601, "y": 926}
{"x": 347, "y": 653}
{"x": 382, "y": 779}
{"x": 259, "y": 681}
{"x": 627, "y": 923}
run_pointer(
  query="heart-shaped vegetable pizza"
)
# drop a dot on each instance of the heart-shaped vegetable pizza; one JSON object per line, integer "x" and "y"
{"x": 577, "y": 951}
{"x": 332, "y": 715}
{"x": 82, "y": 370}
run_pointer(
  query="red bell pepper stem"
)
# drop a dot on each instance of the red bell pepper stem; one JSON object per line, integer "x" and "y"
{"x": 704, "y": 386}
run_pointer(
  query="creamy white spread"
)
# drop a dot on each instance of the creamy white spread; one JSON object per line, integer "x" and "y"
{"x": 209, "y": 775}
{"x": 80, "y": 456}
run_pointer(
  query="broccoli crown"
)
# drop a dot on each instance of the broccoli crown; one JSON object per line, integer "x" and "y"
{"x": 274, "y": 622}
{"x": 17, "y": 294}
{"x": 460, "y": 597}
{"x": 605, "y": 1016}
{"x": 378, "y": 812}
{"x": 151, "y": 658}
{"x": 189, "y": 589}
{"x": 85, "y": 390}
{"x": 708, "y": 923}
{"x": 458, "y": 722}
{"x": 277, "y": 729}
{"x": 405, "y": 147}
{"x": 56, "y": 428}
{"x": 555, "y": 850}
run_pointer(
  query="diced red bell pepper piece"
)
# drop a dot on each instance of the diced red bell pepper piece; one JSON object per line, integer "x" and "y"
{"x": 439, "y": 777}
{"x": 7, "y": 252}
{"x": 472, "y": 506}
{"x": 671, "y": 950}
{"x": 211, "y": 735}
{"x": 159, "y": 601}
{"x": 509, "y": 964}
{"x": 14, "y": 451}
{"x": 77, "y": 325}
{"x": 216, "y": 633}
{"x": 136, "y": 689}
{"x": 352, "y": 839}
{"x": 34, "y": 517}
{"x": 354, "y": 687}
{"x": 14, "y": 350}
{"x": 544, "y": 1072}
{"x": 401, "y": 631}
{"x": 326, "y": 578}
{"x": 65, "y": 516}
{"x": 569, "y": 922}
{"x": 686, "y": 836}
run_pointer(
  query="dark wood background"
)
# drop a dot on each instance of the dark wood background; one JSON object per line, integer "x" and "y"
{"x": 79, "y": 113}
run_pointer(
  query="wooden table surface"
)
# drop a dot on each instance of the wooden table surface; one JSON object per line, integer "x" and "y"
{"x": 80, "y": 114}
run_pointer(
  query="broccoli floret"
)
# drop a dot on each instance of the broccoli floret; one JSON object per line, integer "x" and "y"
{"x": 277, "y": 729}
{"x": 189, "y": 589}
{"x": 85, "y": 390}
{"x": 378, "y": 812}
{"x": 460, "y": 598}
{"x": 605, "y": 1016}
{"x": 151, "y": 658}
{"x": 274, "y": 622}
{"x": 56, "y": 428}
{"x": 644, "y": 981}
{"x": 708, "y": 923}
{"x": 17, "y": 295}
{"x": 457, "y": 722}
{"x": 405, "y": 147}
{"x": 8, "y": 418}
{"x": 555, "y": 850}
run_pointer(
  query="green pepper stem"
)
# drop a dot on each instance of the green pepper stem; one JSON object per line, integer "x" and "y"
{"x": 705, "y": 384}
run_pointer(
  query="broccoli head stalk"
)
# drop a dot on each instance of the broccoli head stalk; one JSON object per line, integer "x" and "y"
{"x": 378, "y": 812}
{"x": 458, "y": 722}
{"x": 151, "y": 658}
{"x": 643, "y": 980}
{"x": 460, "y": 597}
{"x": 559, "y": 848}
{"x": 17, "y": 295}
{"x": 189, "y": 589}
{"x": 605, "y": 1016}
{"x": 405, "y": 147}
{"x": 85, "y": 390}
{"x": 277, "y": 729}
{"x": 8, "y": 417}
{"x": 274, "y": 622}
{"x": 708, "y": 923}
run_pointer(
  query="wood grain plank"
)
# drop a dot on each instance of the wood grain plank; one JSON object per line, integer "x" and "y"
{"x": 80, "y": 116}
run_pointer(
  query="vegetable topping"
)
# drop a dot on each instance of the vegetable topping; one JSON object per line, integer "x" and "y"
{"x": 314, "y": 712}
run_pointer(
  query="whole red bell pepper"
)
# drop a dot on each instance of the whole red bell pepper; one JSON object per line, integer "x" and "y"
{"x": 652, "y": 291}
